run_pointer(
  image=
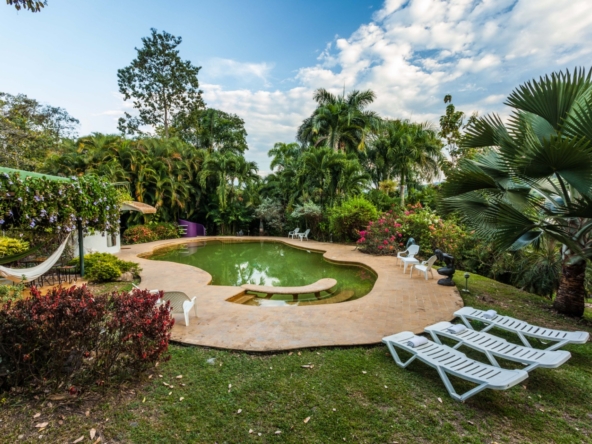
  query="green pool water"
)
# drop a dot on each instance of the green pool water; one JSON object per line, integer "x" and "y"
{"x": 268, "y": 263}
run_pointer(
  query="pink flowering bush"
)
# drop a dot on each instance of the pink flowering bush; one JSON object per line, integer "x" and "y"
{"x": 382, "y": 236}
{"x": 390, "y": 232}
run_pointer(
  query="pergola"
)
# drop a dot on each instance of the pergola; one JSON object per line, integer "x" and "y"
{"x": 125, "y": 206}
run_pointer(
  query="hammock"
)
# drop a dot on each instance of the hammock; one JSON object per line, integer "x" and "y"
{"x": 30, "y": 274}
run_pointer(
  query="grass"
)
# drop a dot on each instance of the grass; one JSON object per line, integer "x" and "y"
{"x": 353, "y": 394}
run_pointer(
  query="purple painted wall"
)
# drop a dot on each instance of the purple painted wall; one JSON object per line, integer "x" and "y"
{"x": 193, "y": 229}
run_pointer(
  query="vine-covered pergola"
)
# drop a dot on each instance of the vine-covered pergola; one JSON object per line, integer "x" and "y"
{"x": 58, "y": 205}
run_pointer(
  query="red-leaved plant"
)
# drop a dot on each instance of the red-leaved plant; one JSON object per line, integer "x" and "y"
{"x": 71, "y": 338}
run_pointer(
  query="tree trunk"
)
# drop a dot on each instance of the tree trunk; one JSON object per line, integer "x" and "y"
{"x": 166, "y": 122}
{"x": 402, "y": 190}
{"x": 571, "y": 293}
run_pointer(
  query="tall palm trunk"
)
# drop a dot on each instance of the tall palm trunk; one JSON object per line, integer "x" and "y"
{"x": 571, "y": 293}
{"x": 402, "y": 190}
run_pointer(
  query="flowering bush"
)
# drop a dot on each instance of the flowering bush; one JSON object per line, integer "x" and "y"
{"x": 42, "y": 204}
{"x": 423, "y": 225}
{"x": 10, "y": 246}
{"x": 71, "y": 338}
{"x": 138, "y": 234}
{"x": 382, "y": 236}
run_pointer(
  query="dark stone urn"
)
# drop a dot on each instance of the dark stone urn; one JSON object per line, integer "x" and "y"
{"x": 447, "y": 270}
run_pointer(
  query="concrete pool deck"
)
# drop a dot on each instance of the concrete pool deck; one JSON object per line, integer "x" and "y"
{"x": 395, "y": 303}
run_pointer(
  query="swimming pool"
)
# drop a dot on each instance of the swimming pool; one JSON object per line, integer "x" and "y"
{"x": 270, "y": 263}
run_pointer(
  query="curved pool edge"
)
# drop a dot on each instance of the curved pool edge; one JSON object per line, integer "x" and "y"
{"x": 394, "y": 304}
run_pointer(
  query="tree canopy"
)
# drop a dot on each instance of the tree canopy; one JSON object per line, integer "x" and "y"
{"x": 160, "y": 85}
{"x": 30, "y": 131}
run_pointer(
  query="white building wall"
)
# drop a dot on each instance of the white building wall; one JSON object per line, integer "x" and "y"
{"x": 98, "y": 243}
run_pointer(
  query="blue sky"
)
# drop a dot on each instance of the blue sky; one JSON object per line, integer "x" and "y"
{"x": 263, "y": 59}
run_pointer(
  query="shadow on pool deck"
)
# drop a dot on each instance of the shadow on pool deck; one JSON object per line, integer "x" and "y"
{"x": 396, "y": 303}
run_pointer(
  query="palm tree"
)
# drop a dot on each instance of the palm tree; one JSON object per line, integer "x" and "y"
{"x": 340, "y": 122}
{"x": 535, "y": 179}
{"x": 407, "y": 150}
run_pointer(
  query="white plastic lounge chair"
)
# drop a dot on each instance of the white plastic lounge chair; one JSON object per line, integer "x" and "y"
{"x": 521, "y": 328}
{"x": 294, "y": 233}
{"x": 180, "y": 302}
{"x": 425, "y": 267}
{"x": 411, "y": 251}
{"x": 493, "y": 346}
{"x": 304, "y": 235}
{"x": 448, "y": 360}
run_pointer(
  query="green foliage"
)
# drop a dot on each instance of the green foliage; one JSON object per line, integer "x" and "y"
{"x": 212, "y": 130}
{"x": 340, "y": 122}
{"x": 11, "y": 292}
{"x": 30, "y": 131}
{"x": 37, "y": 203}
{"x": 11, "y": 247}
{"x": 405, "y": 150}
{"x": 29, "y": 5}
{"x": 103, "y": 271}
{"x": 159, "y": 83}
{"x": 538, "y": 179}
{"x": 452, "y": 125}
{"x": 272, "y": 213}
{"x": 351, "y": 216}
{"x": 104, "y": 267}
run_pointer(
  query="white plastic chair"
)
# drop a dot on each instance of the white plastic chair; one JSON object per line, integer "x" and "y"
{"x": 179, "y": 302}
{"x": 408, "y": 253}
{"x": 448, "y": 360}
{"x": 304, "y": 235}
{"x": 493, "y": 346}
{"x": 522, "y": 328}
{"x": 425, "y": 267}
{"x": 294, "y": 233}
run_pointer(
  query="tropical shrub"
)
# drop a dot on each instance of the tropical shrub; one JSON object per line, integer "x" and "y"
{"x": 73, "y": 339}
{"x": 165, "y": 230}
{"x": 139, "y": 234}
{"x": 10, "y": 246}
{"x": 347, "y": 219}
{"x": 272, "y": 213}
{"x": 103, "y": 267}
{"x": 11, "y": 292}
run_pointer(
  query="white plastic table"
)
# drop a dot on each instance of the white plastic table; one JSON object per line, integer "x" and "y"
{"x": 408, "y": 260}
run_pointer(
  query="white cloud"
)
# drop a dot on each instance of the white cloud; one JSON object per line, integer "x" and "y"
{"x": 219, "y": 67}
{"x": 412, "y": 54}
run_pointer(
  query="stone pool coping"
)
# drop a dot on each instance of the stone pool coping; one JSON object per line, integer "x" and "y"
{"x": 395, "y": 303}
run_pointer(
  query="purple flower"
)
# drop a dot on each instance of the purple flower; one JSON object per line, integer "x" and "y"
{"x": 20, "y": 199}
{"x": 1, "y": 221}
{"x": 33, "y": 224}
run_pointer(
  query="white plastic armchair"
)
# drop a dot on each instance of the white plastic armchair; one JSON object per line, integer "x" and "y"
{"x": 292, "y": 234}
{"x": 304, "y": 235}
{"x": 425, "y": 267}
{"x": 180, "y": 303}
{"x": 409, "y": 252}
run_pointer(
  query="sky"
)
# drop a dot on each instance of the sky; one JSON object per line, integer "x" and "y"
{"x": 264, "y": 59}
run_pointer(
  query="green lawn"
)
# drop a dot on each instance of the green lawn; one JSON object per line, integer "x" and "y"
{"x": 353, "y": 394}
